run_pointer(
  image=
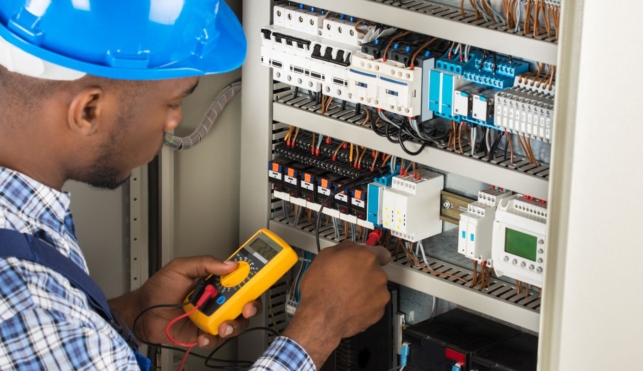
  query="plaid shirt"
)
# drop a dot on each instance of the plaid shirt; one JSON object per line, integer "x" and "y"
{"x": 45, "y": 323}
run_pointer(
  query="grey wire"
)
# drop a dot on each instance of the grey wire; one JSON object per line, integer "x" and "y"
{"x": 519, "y": 11}
{"x": 336, "y": 227}
{"x": 298, "y": 215}
{"x": 484, "y": 14}
{"x": 474, "y": 132}
{"x": 284, "y": 209}
{"x": 386, "y": 119}
{"x": 353, "y": 232}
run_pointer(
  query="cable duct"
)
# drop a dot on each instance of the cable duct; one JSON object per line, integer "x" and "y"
{"x": 185, "y": 143}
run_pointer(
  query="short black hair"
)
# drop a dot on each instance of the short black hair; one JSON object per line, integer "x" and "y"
{"x": 26, "y": 91}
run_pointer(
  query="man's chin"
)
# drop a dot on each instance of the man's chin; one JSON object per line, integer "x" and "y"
{"x": 109, "y": 184}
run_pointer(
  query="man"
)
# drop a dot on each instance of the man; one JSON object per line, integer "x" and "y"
{"x": 87, "y": 91}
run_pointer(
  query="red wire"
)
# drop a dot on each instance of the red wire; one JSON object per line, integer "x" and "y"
{"x": 175, "y": 320}
{"x": 185, "y": 357}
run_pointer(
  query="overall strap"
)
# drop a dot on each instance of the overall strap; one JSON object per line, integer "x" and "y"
{"x": 29, "y": 248}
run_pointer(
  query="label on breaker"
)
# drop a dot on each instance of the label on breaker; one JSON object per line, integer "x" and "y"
{"x": 342, "y": 197}
{"x": 359, "y": 203}
{"x": 308, "y": 186}
{"x": 324, "y": 191}
{"x": 274, "y": 174}
{"x": 290, "y": 180}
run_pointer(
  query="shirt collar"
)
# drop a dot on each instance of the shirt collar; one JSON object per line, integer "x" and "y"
{"x": 34, "y": 200}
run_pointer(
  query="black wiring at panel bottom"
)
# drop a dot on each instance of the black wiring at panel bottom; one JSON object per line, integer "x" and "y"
{"x": 233, "y": 364}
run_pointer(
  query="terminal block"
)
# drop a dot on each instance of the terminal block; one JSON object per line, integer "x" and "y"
{"x": 476, "y": 225}
{"x": 292, "y": 182}
{"x": 309, "y": 183}
{"x": 488, "y": 79}
{"x": 502, "y": 66}
{"x": 519, "y": 239}
{"x": 276, "y": 170}
{"x": 525, "y": 112}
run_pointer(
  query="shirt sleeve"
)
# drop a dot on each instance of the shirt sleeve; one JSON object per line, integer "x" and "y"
{"x": 284, "y": 354}
{"x": 40, "y": 339}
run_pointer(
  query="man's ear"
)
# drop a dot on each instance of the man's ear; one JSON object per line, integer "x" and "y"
{"x": 85, "y": 110}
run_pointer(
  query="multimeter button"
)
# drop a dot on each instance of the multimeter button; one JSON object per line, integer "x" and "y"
{"x": 221, "y": 300}
{"x": 236, "y": 277}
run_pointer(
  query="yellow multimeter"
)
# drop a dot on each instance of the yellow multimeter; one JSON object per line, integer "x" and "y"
{"x": 262, "y": 261}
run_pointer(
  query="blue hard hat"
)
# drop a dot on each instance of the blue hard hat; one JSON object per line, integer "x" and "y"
{"x": 127, "y": 40}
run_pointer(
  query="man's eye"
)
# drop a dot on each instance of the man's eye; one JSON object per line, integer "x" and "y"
{"x": 174, "y": 106}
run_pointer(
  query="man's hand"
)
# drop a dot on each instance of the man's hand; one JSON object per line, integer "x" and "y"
{"x": 342, "y": 294}
{"x": 171, "y": 285}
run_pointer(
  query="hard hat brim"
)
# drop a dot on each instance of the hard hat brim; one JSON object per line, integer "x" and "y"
{"x": 226, "y": 53}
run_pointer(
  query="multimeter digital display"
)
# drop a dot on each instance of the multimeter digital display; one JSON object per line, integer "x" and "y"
{"x": 261, "y": 262}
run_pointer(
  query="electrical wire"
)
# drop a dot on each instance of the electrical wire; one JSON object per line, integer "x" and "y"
{"x": 405, "y": 33}
{"x": 357, "y": 182}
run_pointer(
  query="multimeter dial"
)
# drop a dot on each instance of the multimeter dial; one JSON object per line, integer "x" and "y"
{"x": 235, "y": 280}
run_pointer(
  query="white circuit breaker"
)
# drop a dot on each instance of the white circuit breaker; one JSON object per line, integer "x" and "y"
{"x": 476, "y": 225}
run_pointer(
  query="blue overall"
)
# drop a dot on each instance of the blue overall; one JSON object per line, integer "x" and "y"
{"x": 29, "y": 248}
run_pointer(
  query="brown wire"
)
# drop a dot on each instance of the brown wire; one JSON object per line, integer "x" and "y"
{"x": 475, "y": 8}
{"x": 522, "y": 145}
{"x": 528, "y": 142}
{"x": 294, "y": 139}
{"x": 368, "y": 117}
{"x": 359, "y": 22}
{"x": 511, "y": 146}
{"x": 460, "y": 137}
{"x": 391, "y": 43}
{"x": 417, "y": 52}
{"x": 323, "y": 104}
{"x": 385, "y": 159}
{"x": 551, "y": 78}
{"x": 397, "y": 248}
{"x": 427, "y": 269}
{"x": 475, "y": 274}
{"x": 537, "y": 18}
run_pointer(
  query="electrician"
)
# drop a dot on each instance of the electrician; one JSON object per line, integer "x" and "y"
{"x": 87, "y": 90}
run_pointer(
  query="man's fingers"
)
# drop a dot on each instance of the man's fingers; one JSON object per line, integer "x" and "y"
{"x": 383, "y": 255}
{"x": 233, "y": 328}
{"x": 252, "y": 309}
{"x": 207, "y": 341}
{"x": 202, "y": 266}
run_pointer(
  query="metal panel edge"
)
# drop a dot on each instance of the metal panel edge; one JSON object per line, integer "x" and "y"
{"x": 436, "y": 158}
{"x": 460, "y": 32}
{"x": 255, "y": 150}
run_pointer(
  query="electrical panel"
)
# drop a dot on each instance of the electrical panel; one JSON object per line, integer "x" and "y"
{"x": 373, "y": 123}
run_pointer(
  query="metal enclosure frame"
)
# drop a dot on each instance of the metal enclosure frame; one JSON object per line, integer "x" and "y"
{"x": 256, "y": 146}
